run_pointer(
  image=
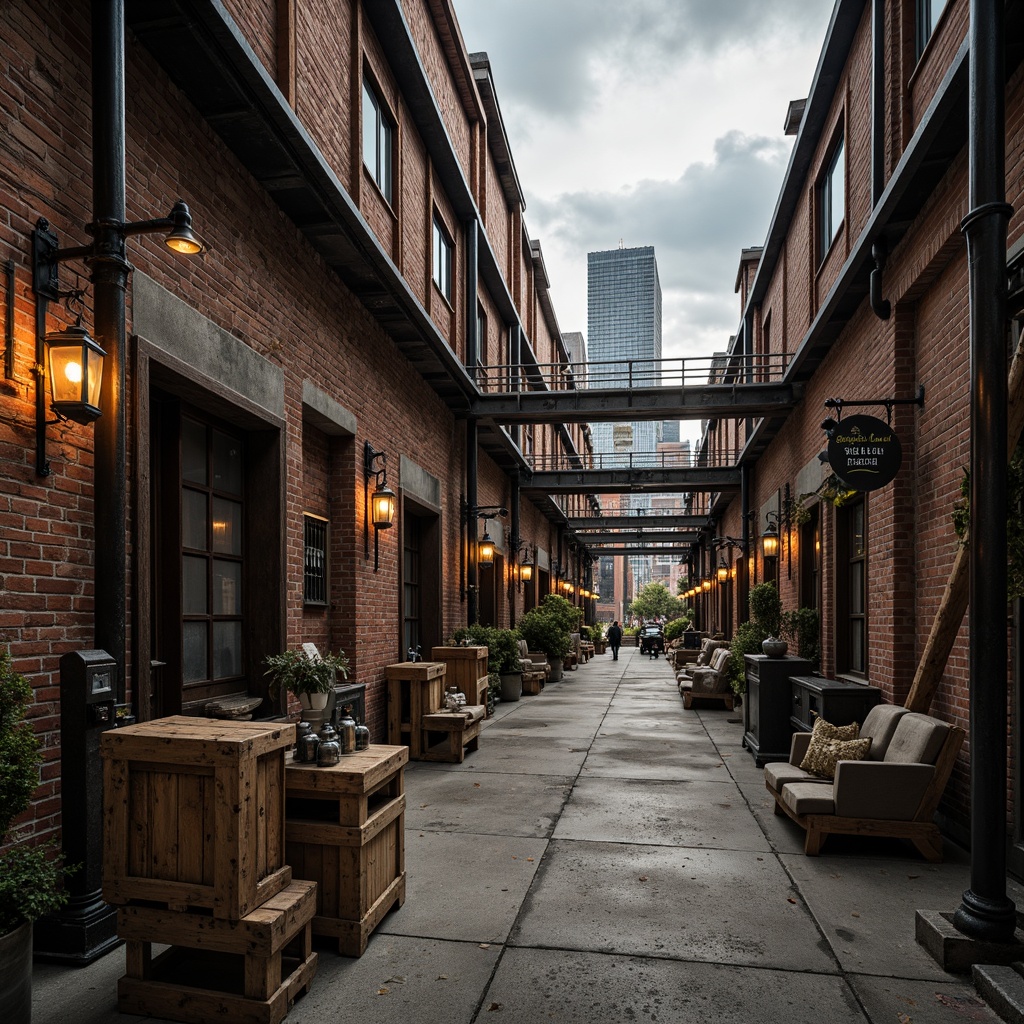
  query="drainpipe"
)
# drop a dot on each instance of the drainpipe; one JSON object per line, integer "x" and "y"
{"x": 877, "y": 100}
{"x": 513, "y": 549}
{"x": 472, "y": 286}
{"x": 472, "y": 569}
{"x": 515, "y": 358}
{"x": 109, "y": 275}
{"x": 744, "y": 581}
{"x": 985, "y": 912}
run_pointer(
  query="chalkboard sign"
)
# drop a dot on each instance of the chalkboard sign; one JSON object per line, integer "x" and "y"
{"x": 865, "y": 453}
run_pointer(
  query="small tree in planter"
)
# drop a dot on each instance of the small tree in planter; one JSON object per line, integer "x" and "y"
{"x": 765, "y": 621}
{"x": 30, "y": 876}
{"x": 544, "y": 631}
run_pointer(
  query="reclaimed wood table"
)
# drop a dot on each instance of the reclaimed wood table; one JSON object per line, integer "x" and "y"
{"x": 415, "y": 689}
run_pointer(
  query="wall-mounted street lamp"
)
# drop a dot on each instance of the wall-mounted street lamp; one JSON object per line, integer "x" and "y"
{"x": 705, "y": 584}
{"x": 485, "y": 545}
{"x": 381, "y": 502}
{"x": 76, "y": 360}
{"x": 485, "y": 548}
{"x": 524, "y": 563}
{"x": 770, "y": 537}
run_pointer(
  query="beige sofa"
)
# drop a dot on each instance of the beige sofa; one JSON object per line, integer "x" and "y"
{"x": 894, "y": 792}
{"x": 708, "y": 683}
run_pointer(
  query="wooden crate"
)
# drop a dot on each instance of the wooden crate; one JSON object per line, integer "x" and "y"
{"x": 193, "y": 814}
{"x": 415, "y": 688}
{"x": 346, "y": 830}
{"x": 466, "y": 669}
{"x": 450, "y": 735}
{"x": 248, "y": 971}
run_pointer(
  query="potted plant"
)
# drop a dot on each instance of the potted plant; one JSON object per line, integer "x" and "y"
{"x": 543, "y": 631}
{"x": 30, "y": 876}
{"x": 310, "y": 679}
{"x": 503, "y": 658}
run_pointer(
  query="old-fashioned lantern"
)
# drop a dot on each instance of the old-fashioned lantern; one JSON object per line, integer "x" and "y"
{"x": 382, "y": 507}
{"x": 76, "y": 373}
{"x": 723, "y": 571}
{"x": 485, "y": 550}
{"x": 770, "y": 541}
{"x": 706, "y": 584}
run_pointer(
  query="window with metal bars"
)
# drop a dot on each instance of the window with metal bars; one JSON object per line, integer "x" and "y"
{"x": 314, "y": 571}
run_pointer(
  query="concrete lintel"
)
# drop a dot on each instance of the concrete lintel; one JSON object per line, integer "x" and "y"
{"x": 324, "y": 413}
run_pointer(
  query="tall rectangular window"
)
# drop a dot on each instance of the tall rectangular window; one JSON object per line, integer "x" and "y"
{"x": 832, "y": 199}
{"x": 314, "y": 572}
{"x": 928, "y": 14}
{"x": 852, "y": 617}
{"x": 378, "y": 141}
{"x": 442, "y": 259}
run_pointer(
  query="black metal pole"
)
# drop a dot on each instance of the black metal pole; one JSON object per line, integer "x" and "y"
{"x": 985, "y": 912}
{"x": 743, "y": 608}
{"x": 472, "y": 571}
{"x": 110, "y": 276}
{"x": 513, "y": 552}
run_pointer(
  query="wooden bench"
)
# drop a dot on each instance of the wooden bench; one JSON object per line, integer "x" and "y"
{"x": 460, "y": 733}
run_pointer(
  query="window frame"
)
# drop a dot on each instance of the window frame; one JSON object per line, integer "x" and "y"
{"x": 825, "y": 193}
{"x": 382, "y": 169}
{"x": 926, "y": 21}
{"x": 847, "y": 558}
{"x": 442, "y": 258}
{"x": 314, "y": 524}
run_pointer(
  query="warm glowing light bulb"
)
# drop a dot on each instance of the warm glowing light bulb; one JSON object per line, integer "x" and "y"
{"x": 73, "y": 372}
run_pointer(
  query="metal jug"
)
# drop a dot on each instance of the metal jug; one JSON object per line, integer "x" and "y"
{"x": 362, "y": 736}
{"x": 306, "y": 750}
{"x": 329, "y": 751}
{"x": 346, "y": 731}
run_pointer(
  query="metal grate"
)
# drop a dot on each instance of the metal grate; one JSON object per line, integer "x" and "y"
{"x": 314, "y": 573}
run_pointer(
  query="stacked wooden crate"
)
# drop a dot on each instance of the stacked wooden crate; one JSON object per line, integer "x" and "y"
{"x": 345, "y": 829}
{"x": 466, "y": 669}
{"x": 194, "y": 857}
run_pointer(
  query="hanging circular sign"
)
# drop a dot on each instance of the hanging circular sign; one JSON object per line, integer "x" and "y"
{"x": 865, "y": 453}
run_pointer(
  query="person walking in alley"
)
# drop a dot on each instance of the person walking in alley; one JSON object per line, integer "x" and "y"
{"x": 615, "y": 639}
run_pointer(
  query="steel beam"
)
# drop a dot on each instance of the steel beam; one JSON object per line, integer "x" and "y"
{"x": 624, "y": 405}
{"x": 637, "y": 522}
{"x": 614, "y": 481}
{"x": 637, "y": 537}
{"x": 643, "y": 549}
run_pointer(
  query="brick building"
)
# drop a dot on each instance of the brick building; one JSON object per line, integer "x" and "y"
{"x": 367, "y": 270}
{"x": 878, "y": 181}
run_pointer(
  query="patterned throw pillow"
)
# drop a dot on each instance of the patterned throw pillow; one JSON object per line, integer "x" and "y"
{"x": 833, "y": 751}
{"x": 820, "y": 759}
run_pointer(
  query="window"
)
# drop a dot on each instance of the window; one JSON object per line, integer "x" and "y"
{"x": 314, "y": 572}
{"x": 211, "y": 556}
{"x": 378, "y": 141}
{"x": 442, "y": 259}
{"x": 832, "y": 199}
{"x": 851, "y": 625}
{"x": 928, "y": 14}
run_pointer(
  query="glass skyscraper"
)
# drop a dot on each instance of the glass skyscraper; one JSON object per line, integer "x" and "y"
{"x": 624, "y": 323}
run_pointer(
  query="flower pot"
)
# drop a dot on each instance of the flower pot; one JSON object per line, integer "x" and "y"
{"x": 774, "y": 648}
{"x": 556, "y": 669}
{"x": 16, "y": 973}
{"x": 314, "y": 701}
{"x": 511, "y": 685}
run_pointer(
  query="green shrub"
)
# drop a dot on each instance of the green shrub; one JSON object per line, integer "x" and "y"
{"x": 746, "y": 640}
{"x": 543, "y": 631}
{"x": 766, "y": 608}
{"x": 30, "y": 877}
{"x": 675, "y": 629}
{"x": 803, "y": 627}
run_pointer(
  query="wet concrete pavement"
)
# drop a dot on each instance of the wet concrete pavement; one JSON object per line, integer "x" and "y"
{"x": 607, "y": 855}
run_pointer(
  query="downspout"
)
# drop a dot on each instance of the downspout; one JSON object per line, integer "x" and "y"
{"x": 469, "y": 546}
{"x": 744, "y": 594}
{"x": 472, "y": 298}
{"x": 881, "y": 307}
{"x": 109, "y": 274}
{"x": 986, "y": 913}
{"x": 515, "y": 358}
{"x": 515, "y": 542}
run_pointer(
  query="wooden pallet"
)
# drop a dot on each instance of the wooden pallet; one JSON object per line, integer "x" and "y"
{"x": 248, "y": 971}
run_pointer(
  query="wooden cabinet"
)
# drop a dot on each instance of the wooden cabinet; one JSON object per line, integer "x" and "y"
{"x": 838, "y": 702}
{"x": 767, "y": 704}
{"x": 466, "y": 668}
{"x": 415, "y": 689}
{"x": 345, "y": 830}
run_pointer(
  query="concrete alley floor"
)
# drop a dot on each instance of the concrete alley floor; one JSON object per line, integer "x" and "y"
{"x": 607, "y": 856}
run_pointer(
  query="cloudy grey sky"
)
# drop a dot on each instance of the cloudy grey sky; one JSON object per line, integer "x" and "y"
{"x": 657, "y": 122}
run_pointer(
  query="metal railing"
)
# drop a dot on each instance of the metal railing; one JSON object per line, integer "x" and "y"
{"x": 622, "y": 374}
